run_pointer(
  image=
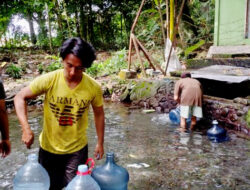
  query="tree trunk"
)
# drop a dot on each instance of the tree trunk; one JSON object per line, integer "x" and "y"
{"x": 77, "y": 23}
{"x": 59, "y": 19}
{"x": 31, "y": 26}
{"x": 83, "y": 24}
{"x": 43, "y": 31}
{"x": 67, "y": 18}
{"x": 50, "y": 36}
{"x": 90, "y": 23}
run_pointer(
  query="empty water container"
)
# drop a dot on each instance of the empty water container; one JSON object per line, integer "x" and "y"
{"x": 110, "y": 176}
{"x": 31, "y": 176}
{"x": 83, "y": 180}
{"x": 174, "y": 116}
{"x": 216, "y": 133}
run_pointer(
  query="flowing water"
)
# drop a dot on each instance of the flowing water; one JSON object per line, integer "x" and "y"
{"x": 156, "y": 154}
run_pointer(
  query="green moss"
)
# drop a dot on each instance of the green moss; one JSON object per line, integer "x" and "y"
{"x": 197, "y": 63}
{"x": 248, "y": 119}
{"x": 144, "y": 89}
{"x": 175, "y": 73}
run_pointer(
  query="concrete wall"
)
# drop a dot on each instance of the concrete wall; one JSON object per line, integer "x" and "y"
{"x": 230, "y": 23}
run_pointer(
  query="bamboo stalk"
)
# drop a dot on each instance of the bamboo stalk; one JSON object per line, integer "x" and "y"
{"x": 171, "y": 24}
{"x": 131, "y": 33}
{"x": 167, "y": 19}
{"x": 174, "y": 36}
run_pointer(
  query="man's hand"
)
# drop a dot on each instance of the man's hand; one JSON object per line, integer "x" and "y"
{"x": 5, "y": 148}
{"x": 28, "y": 137}
{"x": 177, "y": 99}
{"x": 99, "y": 151}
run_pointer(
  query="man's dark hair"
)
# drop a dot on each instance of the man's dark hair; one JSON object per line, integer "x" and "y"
{"x": 79, "y": 48}
{"x": 186, "y": 75}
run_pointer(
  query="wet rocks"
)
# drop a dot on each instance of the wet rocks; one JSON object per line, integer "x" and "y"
{"x": 231, "y": 113}
{"x": 158, "y": 95}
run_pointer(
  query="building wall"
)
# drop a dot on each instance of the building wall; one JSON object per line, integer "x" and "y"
{"x": 230, "y": 23}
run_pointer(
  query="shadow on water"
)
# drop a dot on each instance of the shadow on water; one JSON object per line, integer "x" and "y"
{"x": 156, "y": 154}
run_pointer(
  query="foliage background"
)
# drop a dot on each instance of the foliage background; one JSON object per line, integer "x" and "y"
{"x": 106, "y": 24}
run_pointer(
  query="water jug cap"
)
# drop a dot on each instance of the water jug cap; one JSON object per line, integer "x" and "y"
{"x": 110, "y": 154}
{"x": 83, "y": 169}
{"x": 215, "y": 122}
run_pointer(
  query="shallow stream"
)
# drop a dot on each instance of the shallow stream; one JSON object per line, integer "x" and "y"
{"x": 156, "y": 154}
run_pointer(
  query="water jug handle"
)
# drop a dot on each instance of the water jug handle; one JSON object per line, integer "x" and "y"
{"x": 89, "y": 170}
{"x": 92, "y": 164}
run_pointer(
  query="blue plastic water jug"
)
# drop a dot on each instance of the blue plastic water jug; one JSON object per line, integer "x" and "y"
{"x": 83, "y": 180}
{"x": 216, "y": 133}
{"x": 110, "y": 176}
{"x": 174, "y": 116}
{"x": 31, "y": 176}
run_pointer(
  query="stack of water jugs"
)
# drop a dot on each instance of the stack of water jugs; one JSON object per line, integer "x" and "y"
{"x": 108, "y": 176}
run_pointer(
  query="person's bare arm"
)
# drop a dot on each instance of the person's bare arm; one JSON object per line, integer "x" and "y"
{"x": 5, "y": 147}
{"x": 21, "y": 111}
{"x": 100, "y": 125}
{"x": 177, "y": 92}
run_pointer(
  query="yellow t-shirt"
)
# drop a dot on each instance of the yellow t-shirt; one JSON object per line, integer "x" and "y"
{"x": 65, "y": 111}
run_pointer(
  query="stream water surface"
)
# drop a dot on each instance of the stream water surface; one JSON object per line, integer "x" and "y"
{"x": 156, "y": 155}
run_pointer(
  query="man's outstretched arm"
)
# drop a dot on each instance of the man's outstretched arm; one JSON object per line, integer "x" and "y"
{"x": 100, "y": 125}
{"x": 21, "y": 111}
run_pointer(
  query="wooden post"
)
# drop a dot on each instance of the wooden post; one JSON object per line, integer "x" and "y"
{"x": 137, "y": 16}
{"x": 129, "y": 52}
{"x": 144, "y": 51}
{"x": 148, "y": 56}
{"x": 131, "y": 33}
{"x": 174, "y": 36}
{"x": 138, "y": 55}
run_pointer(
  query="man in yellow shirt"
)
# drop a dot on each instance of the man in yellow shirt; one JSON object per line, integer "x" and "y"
{"x": 68, "y": 94}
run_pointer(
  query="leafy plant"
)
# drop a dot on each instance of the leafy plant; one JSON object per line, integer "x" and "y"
{"x": 194, "y": 47}
{"x": 53, "y": 66}
{"x": 41, "y": 68}
{"x": 14, "y": 71}
{"x": 110, "y": 66}
{"x": 24, "y": 66}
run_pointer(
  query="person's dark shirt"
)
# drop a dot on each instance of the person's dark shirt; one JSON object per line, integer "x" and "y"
{"x": 2, "y": 92}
